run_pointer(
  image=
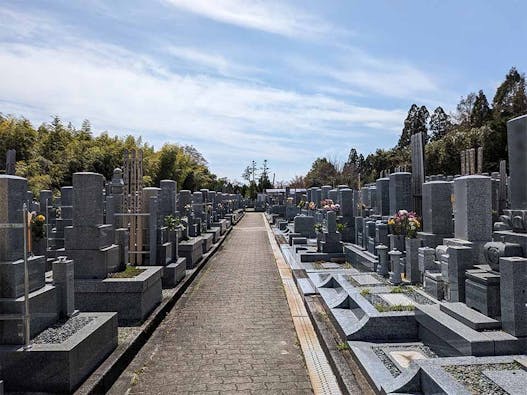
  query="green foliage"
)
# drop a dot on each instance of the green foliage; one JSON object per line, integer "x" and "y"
{"x": 129, "y": 272}
{"x": 322, "y": 172}
{"x": 48, "y": 156}
{"x": 343, "y": 346}
{"x": 481, "y": 112}
{"x": 341, "y": 227}
{"x": 382, "y": 308}
{"x": 171, "y": 222}
{"x": 257, "y": 183}
{"x": 365, "y": 291}
{"x": 416, "y": 121}
{"x": 474, "y": 124}
{"x": 440, "y": 124}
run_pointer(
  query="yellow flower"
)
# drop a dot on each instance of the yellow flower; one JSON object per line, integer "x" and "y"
{"x": 41, "y": 218}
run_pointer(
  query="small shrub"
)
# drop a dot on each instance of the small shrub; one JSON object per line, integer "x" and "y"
{"x": 365, "y": 291}
{"x": 343, "y": 346}
{"x": 382, "y": 308}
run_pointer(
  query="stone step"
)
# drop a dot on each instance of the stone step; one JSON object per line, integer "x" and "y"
{"x": 306, "y": 286}
{"x": 470, "y": 317}
{"x": 444, "y": 332}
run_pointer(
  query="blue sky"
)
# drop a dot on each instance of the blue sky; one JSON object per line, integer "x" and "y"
{"x": 285, "y": 81}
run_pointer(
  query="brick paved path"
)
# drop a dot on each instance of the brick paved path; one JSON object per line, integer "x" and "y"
{"x": 231, "y": 333}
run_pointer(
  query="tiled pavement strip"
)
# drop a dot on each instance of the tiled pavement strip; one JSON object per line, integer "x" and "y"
{"x": 232, "y": 332}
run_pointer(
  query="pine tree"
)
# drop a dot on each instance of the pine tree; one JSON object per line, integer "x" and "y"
{"x": 440, "y": 124}
{"x": 481, "y": 112}
{"x": 421, "y": 122}
{"x": 464, "y": 109}
{"x": 404, "y": 140}
{"x": 416, "y": 121}
{"x": 510, "y": 99}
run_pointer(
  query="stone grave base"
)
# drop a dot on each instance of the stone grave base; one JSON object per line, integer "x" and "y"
{"x": 235, "y": 217}
{"x": 42, "y": 303}
{"x": 320, "y": 256}
{"x": 60, "y": 368}
{"x": 357, "y": 255}
{"x": 95, "y": 263}
{"x": 222, "y": 224}
{"x": 482, "y": 291}
{"x": 282, "y": 225}
{"x": 208, "y": 239}
{"x": 355, "y": 318}
{"x": 471, "y": 375}
{"x": 434, "y": 284}
{"x": 192, "y": 250}
{"x": 132, "y": 298}
{"x": 216, "y": 233}
{"x": 174, "y": 273}
{"x": 453, "y": 329}
{"x": 389, "y": 365}
{"x": 432, "y": 240}
{"x": 164, "y": 254}
{"x": 12, "y": 276}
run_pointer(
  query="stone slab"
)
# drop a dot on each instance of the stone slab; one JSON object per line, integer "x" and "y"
{"x": 174, "y": 273}
{"x": 366, "y": 279}
{"x": 12, "y": 276}
{"x": 395, "y": 299}
{"x": 469, "y": 317}
{"x": 60, "y": 368}
{"x": 91, "y": 264}
{"x": 132, "y": 298}
{"x": 511, "y": 381}
{"x": 208, "y": 239}
{"x": 192, "y": 250}
{"x": 43, "y": 306}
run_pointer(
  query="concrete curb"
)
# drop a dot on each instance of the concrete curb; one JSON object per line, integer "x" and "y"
{"x": 350, "y": 381}
{"x": 102, "y": 379}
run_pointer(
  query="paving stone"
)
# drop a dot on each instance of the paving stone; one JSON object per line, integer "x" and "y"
{"x": 231, "y": 332}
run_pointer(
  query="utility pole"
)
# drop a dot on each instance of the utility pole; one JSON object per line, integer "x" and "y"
{"x": 254, "y": 168}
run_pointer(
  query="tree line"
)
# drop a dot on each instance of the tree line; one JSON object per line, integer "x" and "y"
{"x": 474, "y": 123}
{"x": 49, "y": 155}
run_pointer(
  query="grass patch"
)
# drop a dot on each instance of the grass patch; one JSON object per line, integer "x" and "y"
{"x": 322, "y": 315}
{"x": 382, "y": 308}
{"x": 129, "y": 272}
{"x": 399, "y": 290}
{"x": 365, "y": 291}
{"x": 343, "y": 346}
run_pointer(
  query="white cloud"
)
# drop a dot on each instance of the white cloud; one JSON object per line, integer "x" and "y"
{"x": 201, "y": 60}
{"x": 270, "y": 16}
{"x": 362, "y": 74}
{"x": 121, "y": 92}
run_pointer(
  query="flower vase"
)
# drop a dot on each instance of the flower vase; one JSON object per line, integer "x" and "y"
{"x": 397, "y": 242}
{"x": 412, "y": 260}
{"x": 320, "y": 239}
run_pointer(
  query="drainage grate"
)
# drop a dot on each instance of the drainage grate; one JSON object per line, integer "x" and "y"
{"x": 320, "y": 373}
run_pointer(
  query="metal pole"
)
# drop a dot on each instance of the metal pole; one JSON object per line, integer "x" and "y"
{"x": 47, "y": 225}
{"x": 27, "y": 329}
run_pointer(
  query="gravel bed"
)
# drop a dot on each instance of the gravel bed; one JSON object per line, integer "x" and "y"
{"x": 390, "y": 365}
{"x": 418, "y": 298}
{"x": 472, "y": 377}
{"x": 62, "y": 330}
{"x": 376, "y": 299}
{"x": 408, "y": 291}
